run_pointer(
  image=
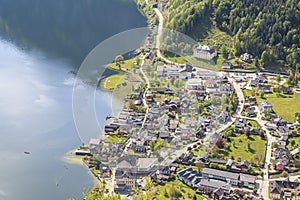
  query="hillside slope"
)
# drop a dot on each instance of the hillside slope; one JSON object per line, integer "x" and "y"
{"x": 268, "y": 29}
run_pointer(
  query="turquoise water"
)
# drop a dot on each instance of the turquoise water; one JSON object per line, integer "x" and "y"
{"x": 41, "y": 42}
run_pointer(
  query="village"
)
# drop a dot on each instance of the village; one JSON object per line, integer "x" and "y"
{"x": 231, "y": 133}
{"x": 216, "y": 132}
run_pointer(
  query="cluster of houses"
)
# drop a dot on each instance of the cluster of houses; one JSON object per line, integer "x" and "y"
{"x": 281, "y": 154}
{"x": 217, "y": 182}
{"x": 183, "y": 71}
{"x": 237, "y": 167}
{"x": 249, "y": 106}
{"x": 260, "y": 80}
{"x": 264, "y": 107}
{"x": 246, "y": 57}
{"x": 130, "y": 168}
{"x": 106, "y": 151}
{"x": 262, "y": 84}
{"x": 284, "y": 131}
{"x": 206, "y": 52}
{"x": 173, "y": 118}
{"x": 245, "y": 127}
{"x": 284, "y": 189}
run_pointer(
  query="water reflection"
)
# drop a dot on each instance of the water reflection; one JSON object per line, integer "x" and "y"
{"x": 66, "y": 28}
{"x": 47, "y": 40}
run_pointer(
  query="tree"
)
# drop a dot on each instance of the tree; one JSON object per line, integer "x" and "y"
{"x": 200, "y": 165}
{"x": 152, "y": 145}
{"x": 278, "y": 78}
{"x": 262, "y": 94}
{"x": 284, "y": 174}
{"x": 261, "y": 28}
{"x": 214, "y": 151}
{"x": 293, "y": 142}
{"x": 166, "y": 193}
{"x": 118, "y": 60}
{"x": 288, "y": 81}
{"x": 256, "y": 63}
{"x": 173, "y": 192}
{"x": 254, "y": 190}
{"x": 99, "y": 194}
{"x": 220, "y": 143}
{"x": 262, "y": 134}
{"x": 149, "y": 184}
{"x": 224, "y": 51}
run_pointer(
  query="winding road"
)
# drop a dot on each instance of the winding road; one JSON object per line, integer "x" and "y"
{"x": 264, "y": 185}
{"x": 159, "y": 33}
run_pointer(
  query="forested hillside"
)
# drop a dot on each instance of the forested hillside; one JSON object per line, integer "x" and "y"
{"x": 186, "y": 16}
{"x": 268, "y": 29}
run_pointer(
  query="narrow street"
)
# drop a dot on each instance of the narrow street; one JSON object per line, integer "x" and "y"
{"x": 264, "y": 184}
{"x": 144, "y": 95}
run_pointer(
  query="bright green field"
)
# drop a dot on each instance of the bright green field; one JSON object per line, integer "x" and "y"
{"x": 186, "y": 192}
{"x": 116, "y": 139}
{"x": 297, "y": 143}
{"x": 112, "y": 81}
{"x": 179, "y": 60}
{"x": 127, "y": 64}
{"x": 252, "y": 149}
{"x": 285, "y": 106}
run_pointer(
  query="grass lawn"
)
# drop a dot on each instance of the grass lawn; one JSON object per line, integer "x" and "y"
{"x": 177, "y": 86}
{"x": 211, "y": 64}
{"x": 252, "y": 149}
{"x": 179, "y": 60}
{"x": 112, "y": 81}
{"x": 254, "y": 124}
{"x": 199, "y": 150}
{"x": 195, "y": 62}
{"x": 127, "y": 64}
{"x": 249, "y": 93}
{"x": 285, "y": 106}
{"x": 116, "y": 139}
{"x": 296, "y": 141}
{"x": 164, "y": 191}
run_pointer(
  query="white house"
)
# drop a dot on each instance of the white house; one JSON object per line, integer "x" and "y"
{"x": 205, "y": 52}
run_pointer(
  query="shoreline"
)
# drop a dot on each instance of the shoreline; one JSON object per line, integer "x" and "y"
{"x": 70, "y": 157}
{"x": 102, "y": 82}
{"x": 73, "y": 159}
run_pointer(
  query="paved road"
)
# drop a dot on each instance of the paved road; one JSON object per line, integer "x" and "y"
{"x": 264, "y": 184}
{"x": 270, "y": 139}
{"x": 144, "y": 95}
{"x": 175, "y": 154}
{"x": 129, "y": 142}
{"x": 159, "y": 33}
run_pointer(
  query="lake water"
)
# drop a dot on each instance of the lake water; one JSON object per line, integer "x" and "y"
{"x": 40, "y": 43}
